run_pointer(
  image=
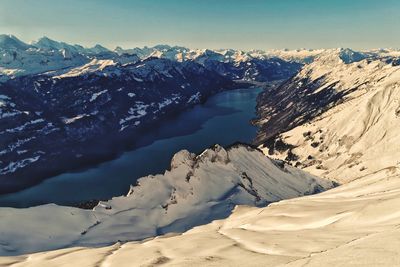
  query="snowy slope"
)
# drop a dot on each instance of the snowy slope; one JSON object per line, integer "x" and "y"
{"x": 356, "y": 224}
{"x": 354, "y": 135}
{"x": 337, "y": 119}
{"x": 354, "y": 139}
{"x": 197, "y": 190}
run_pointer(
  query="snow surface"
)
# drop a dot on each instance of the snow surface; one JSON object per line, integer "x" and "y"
{"x": 356, "y": 224}
{"x": 360, "y": 135}
{"x": 197, "y": 190}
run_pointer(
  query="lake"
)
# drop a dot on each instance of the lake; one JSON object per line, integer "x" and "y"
{"x": 223, "y": 119}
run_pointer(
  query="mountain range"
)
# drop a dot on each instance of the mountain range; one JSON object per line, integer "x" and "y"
{"x": 60, "y": 101}
{"x": 319, "y": 186}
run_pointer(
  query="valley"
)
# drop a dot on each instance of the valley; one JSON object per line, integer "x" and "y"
{"x": 223, "y": 119}
{"x": 318, "y": 186}
{"x": 59, "y": 117}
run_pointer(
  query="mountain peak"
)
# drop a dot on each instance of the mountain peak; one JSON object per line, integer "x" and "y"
{"x": 46, "y": 42}
{"x": 349, "y": 56}
{"x": 341, "y": 55}
{"x": 162, "y": 47}
{"x": 9, "y": 41}
{"x": 45, "y": 38}
{"x": 97, "y": 49}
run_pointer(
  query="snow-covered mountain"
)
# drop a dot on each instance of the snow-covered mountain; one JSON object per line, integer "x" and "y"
{"x": 44, "y": 55}
{"x": 19, "y": 58}
{"x": 223, "y": 55}
{"x": 196, "y": 190}
{"x": 57, "y": 99}
{"x": 335, "y": 118}
{"x": 46, "y": 43}
{"x": 236, "y": 64}
{"x": 11, "y": 42}
{"x": 53, "y": 123}
{"x": 356, "y": 224}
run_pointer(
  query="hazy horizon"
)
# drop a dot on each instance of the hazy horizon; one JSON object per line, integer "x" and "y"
{"x": 256, "y": 24}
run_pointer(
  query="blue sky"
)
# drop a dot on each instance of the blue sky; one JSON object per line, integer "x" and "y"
{"x": 242, "y": 24}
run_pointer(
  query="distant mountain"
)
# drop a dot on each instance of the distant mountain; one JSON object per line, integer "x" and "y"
{"x": 52, "y": 57}
{"x": 10, "y": 42}
{"x": 349, "y": 56}
{"x": 46, "y": 43}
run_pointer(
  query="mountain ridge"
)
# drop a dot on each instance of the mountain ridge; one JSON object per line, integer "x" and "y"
{"x": 196, "y": 190}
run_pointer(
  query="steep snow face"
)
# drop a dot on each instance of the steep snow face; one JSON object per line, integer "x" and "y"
{"x": 353, "y": 135}
{"x": 196, "y": 190}
{"x": 356, "y": 224}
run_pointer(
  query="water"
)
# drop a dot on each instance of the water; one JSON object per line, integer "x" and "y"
{"x": 223, "y": 119}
